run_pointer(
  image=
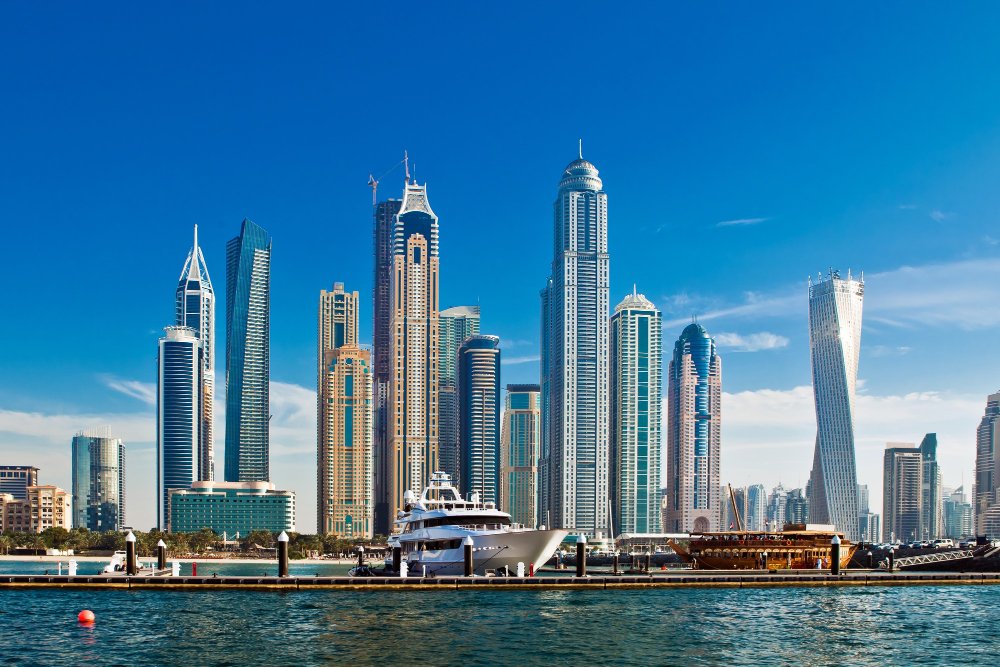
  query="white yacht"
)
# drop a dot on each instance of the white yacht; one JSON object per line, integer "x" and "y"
{"x": 431, "y": 530}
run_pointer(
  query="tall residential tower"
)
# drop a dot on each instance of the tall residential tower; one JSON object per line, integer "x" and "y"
{"x": 478, "y": 389}
{"x": 835, "y": 343}
{"x": 520, "y": 439}
{"x": 455, "y": 324}
{"x": 574, "y": 357}
{"x": 179, "y": 408}
{"x": 98, "y": 481}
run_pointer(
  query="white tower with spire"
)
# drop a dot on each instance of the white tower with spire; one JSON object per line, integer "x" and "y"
{"x": 196, "y": 309}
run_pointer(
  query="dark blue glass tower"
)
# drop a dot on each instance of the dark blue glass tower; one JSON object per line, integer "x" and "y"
{"x": 479, "y": 416}
{"x": 179, "y": 413}
{"x": 248, "y": 334}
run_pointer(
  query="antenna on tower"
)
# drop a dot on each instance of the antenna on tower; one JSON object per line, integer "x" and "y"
{"x": 406, "y": 163}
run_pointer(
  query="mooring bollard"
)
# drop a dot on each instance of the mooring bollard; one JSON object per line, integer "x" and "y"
{"x": 835, "y": 556}
{"x": 649, "y": 560}
{"x": 397, "y": 558}
{"x": 614, "y": 563}
{"x": 283, "y": 554}
{"x": 161, "y": 555}
{"x": 469, "y": 564}
{"x": 131, "y": 566}
{"x": 361, "y": 556}
{"x": 520, "y": 570}
{"x": 871, "y": 561}
{"x": 175, "y": 569}
{"x": 531, "y": 569}
{"x": 403, "y": 569}
{"x": 892, "y": 557}
{"x": 194, "y": 569}
{"x": 763, "y": 559}
{"x": 581, "y": 555}
{"x": 71, "y": 568}
{"x": 59, "y": 569}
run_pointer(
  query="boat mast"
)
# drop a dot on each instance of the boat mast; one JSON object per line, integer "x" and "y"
{"x": 736, "y": 511}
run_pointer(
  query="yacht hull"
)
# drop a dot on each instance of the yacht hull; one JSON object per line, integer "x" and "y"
{"x": 491, "y": 551}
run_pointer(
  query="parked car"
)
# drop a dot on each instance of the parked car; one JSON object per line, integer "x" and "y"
{"x": 944, "y": 544}
{"x": 968, "y": 543}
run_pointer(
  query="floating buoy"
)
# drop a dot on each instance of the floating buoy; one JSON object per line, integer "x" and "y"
{"x": 85, "y": 616}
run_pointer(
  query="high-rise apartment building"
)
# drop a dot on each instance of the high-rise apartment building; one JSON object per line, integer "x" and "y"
{"x": 957, "y": 515}
{"x": 248, "y": 354}
{"x": 574, "y": 357}
{"x": 478, "y": 389}
{"x": 694, "y": 413}
{"x": 345, "y": 494}
{"x": 413, "y": 389}
{"x": 902, "y": 492}
{"x": 796, "y": 507}
{"x": 636, "y": 388}
{"x": 520, "y": 440}
{"x": 987, "y": 462}
{"x": 835, "y": 343}
{"x": 47, "y": 507}
{"x": 756, "y": 517}
{"x": 179, "y": 408}
{"x": 384, "y": 219}
{"x": 338, "y": 321}
{"x": 931, "y": 512}
{"x": 15, "y": 480}
{"x": 455, "y": 324}
{"x": 776, "y": 508}
{"x": 195, "y": 308}
{"x": 98, "y": 481}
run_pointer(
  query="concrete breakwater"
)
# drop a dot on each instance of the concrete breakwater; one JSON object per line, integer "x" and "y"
{"x": 689, "y": 579}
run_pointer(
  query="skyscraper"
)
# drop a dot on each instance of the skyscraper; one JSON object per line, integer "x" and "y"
{"x": 756, "y": 507}
{"x": 520, "y": 438}
{"x": 636, "y": 389}
{"x": 384, "y": 222}
{"x": 796, "y": 507}
{"x": 835, "y": 342}
{"x": 776, "y": 508}
{"x": 195, "y": 306}
{"x": 455, "y": 324}
{"x": 987, "y": 460}
{"x": 248, "y": 354}
{"x": 15, "y": 480}
{"x": 694, "y": 413}
{"x": 179, "y": 408}
{"x": 931, "y": 513}
{"x": 574, "y": 356}
{"x": 98, "y": 481}
{"x": 338, "y": 327}
{"x": 345, "y": 501}
{"x": 413, "y": 390}
{"x": 902, "y": 502}
{"x": 478, "y": 387}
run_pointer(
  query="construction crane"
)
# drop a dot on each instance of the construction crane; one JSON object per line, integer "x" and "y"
{"x": 373, "y": 182}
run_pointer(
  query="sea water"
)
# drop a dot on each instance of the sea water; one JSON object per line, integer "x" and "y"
{"x": 931, "y": 625}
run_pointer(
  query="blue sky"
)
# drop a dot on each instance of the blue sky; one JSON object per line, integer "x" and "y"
{"x": 743, "y": 148}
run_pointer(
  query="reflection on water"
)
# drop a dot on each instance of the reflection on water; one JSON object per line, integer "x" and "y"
{"x": 650, "y": 626}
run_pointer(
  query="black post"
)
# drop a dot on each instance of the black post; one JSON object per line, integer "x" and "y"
{"x": 581, "y": 555}
{"x": 397, "y": 558}
{"x": 614, "y": 563}
{"x": 161, "y": 555}
{"x": 131, "y": 566}
{"x": 871, "y": 561}
{"x": 892, "y": 557}
{"x": 649, "y": 560}
{"x": 361, "y": 556}
{"x": 835, "y": 556}
{"x": 283, "y": 554}
{"x": 763, "y": 559}
{"x": 470, "y": 567}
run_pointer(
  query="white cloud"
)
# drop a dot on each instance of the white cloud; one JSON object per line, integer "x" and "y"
{"x": 754, "y": 342}
{"x": 755, "y": 304}
{"x": 940, "y": 216}
{"x": 510, "y": 361}
{"x": 741, "y": 222}
{"x": 769, "y": 435}
{"x": 143, "y": 391}
{"x": 888, "y": 350}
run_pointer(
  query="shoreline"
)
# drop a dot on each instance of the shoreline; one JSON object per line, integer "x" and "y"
{"x": 205, "y": 560}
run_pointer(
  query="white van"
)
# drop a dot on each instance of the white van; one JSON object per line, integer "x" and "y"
{"x": 944, "y": 544}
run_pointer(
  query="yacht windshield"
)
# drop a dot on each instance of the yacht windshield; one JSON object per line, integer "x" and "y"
{"x": 468, "y": 520}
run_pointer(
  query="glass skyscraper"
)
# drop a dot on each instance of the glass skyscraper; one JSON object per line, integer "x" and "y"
{"x": 933, "y": 519}
{"x": 413, "y": 388}
{"x": 478, "y": 376}
{"x": 694, "y": 413}
{"x": 520, "y": 439}
{"x": 455, "y": 324}
{"x": 248, "y": 339}
{"x": 987, "y": 459}
{"x": 574, "y": 357}
{"x": 195, "y": 306}
{"x": 636, "y": 389}
{"x": 902, "y": 486}
{"x": 178, "y": 414}
{"x": 98, "y": 481}
{"x": 835, "y": 343}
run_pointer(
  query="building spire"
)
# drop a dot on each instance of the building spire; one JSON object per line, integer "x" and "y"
{"x": 581, "y": 149}
{"x": 406, "y": 166}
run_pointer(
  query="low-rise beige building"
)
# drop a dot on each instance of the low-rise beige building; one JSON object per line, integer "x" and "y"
{"x": 47, "y": 506}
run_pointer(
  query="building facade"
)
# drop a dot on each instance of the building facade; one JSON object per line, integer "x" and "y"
{"x": 384, "y": 218}
{"x": 835, "y": 343}
{"x": 957, "y": 513}
{"x": 756, "y": 518}
{"x": 44, "y": 507}
{"x": 15, "y": 480}
{"x": 931, "y": 512}
{"x": 635, "y": 423}
{"x": 520, "y": 440}
{"x": 231, "y": 508}
{"x": 776, "y": 508}
{"x": 987, "y": 460}
{"x": 345, "y": 477}
{"x": 478, "y": 388}
{"x": 413, "y": 389}
{"x": 178, "y": 413}
{"x": 902, "y": 492}
{"x": 694, "y": 430}
{"x": 574, "y": 357}
{"x": 796, "y": 507}
{"x": 248, "y": 355}
{"x": 195, "y": 308}
{"x": 98, "y": 481}
{"x": 455, "y": 324}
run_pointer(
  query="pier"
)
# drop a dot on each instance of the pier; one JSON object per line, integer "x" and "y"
{"x": 685, "y": 579}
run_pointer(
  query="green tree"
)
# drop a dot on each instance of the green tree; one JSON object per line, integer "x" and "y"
{"x": 258, "y": 538}
{"x": 55, "y": 537}
{"x": 202, "y": 540}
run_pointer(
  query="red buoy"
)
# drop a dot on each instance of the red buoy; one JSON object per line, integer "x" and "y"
{"x": 85, "y": 616}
